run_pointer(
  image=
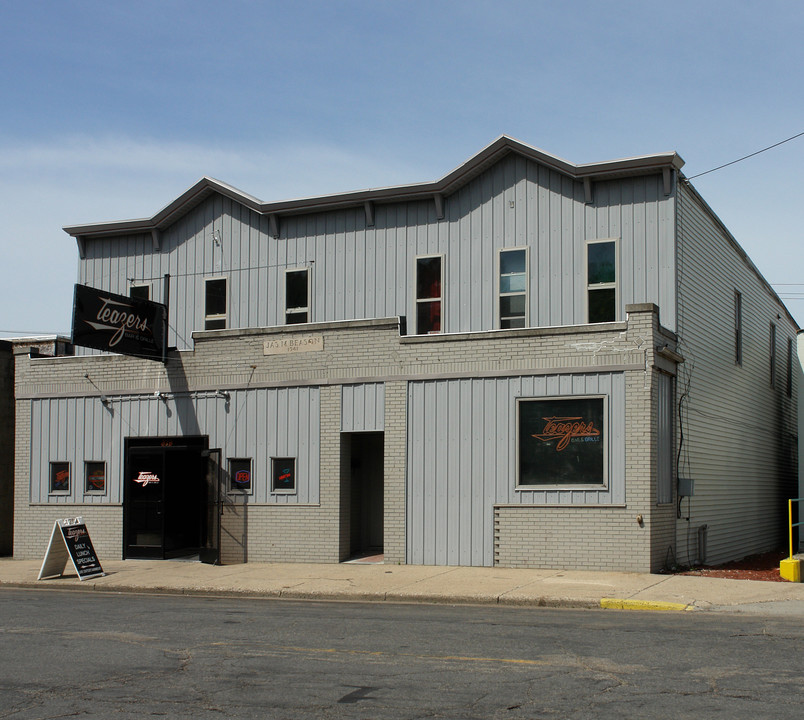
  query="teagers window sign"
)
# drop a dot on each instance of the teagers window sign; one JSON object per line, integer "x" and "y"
{"x": 562, "y": 441}
{"x": 120, "y": 324}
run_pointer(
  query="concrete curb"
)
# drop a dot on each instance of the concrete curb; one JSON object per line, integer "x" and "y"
{"x": 622, "y": 604}
{"x": 312, "y": 596}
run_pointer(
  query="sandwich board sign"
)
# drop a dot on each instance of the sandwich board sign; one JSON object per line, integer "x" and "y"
{"x": 70, "y": 541}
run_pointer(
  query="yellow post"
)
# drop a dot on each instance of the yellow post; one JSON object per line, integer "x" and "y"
{"x": 790, "y": 568}
{"x": 790, "y": 523}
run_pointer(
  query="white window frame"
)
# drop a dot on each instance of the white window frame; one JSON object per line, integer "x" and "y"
{"x": 87, "y": 489}
{"x": 607, "y": 424}
{"x": 602, "y": 286}
{"x": 297, "y": 310}
{"x": 232, "y": 489}
{"x": 525, "y": 292}
{"x": 417, "y": 300}
{"x": 220, "y": 316}
{"x": 285, "y": 491}
{"x": 134, "y": 286}
{"x": 70, "y": 479}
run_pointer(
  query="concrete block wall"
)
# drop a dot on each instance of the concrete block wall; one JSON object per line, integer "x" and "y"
{"x": 363, "y": 351}
{"x": 395, "y": 471}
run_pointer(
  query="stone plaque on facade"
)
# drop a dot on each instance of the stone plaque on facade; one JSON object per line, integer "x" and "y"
{"x": 303, "y": 343}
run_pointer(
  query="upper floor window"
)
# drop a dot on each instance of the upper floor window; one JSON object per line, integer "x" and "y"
{"x": 601, "y": 280}
{"x": 513, "y": 288}
{"x": 772, "y": 353}
{"x": 215, "y": 296}
{"x": 738, "y": 327}
{"x": 297, "y": 296}
{"x": 429, "y": 298}
{"x": 790, "y": 359}
{"x": 140, "y": 292}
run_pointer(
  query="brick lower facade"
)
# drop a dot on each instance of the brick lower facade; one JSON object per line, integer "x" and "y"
{"x": 569, "y": 534}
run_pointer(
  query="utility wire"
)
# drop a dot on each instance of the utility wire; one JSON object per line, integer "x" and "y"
{"x": 770, "y": 147}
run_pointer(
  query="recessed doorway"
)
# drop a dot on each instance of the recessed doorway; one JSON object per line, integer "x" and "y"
{"x": 362, "y": 457}
{"x": 165, "y": 497}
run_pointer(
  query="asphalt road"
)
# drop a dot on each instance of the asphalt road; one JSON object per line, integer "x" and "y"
{"x": 97, "y": 655}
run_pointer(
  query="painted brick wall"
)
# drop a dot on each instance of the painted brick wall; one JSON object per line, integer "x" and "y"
{"x": 362, "y": 351}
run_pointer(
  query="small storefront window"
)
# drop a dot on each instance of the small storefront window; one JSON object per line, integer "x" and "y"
{"x": 562, "y": 441}
{"x": 240, "y": 475}
{"x": 59, "y": 477}
{"x": 95, "y": 477}
{"x": 283, "y": 474}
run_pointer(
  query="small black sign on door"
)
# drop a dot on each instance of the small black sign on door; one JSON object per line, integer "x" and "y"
{"x": 70, "y": 541}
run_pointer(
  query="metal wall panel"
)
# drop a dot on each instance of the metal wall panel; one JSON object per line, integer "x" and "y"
{"x": 257, "y": 424}
{"x": 462, "y": 460}
{"x": 739, "y": 431}
{"x": 363, "y": 407}
{"x": 366, "y": 272}
{"x": 664, "y": 439}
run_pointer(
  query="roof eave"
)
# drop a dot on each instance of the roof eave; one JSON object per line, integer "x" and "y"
{"x": 446, "y": 185}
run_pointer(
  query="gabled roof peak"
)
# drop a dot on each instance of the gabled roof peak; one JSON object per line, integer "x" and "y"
{"x": 445, "y": 186}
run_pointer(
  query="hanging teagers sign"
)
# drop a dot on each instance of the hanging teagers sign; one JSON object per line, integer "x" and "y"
{"x": 70, "y": 541}
{"x": 120, "y": 324}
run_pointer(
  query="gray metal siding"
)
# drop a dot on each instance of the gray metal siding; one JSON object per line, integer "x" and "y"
{"x": 462, "y": 460}
{"x": 364, "y": 272}
{"x": 664, "y": 439}
{"x": 363, "y": 407}
{"x": 259, "y": 423}
{"x": 739, "y": 432}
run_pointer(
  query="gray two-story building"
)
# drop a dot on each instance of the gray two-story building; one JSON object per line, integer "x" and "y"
{"x": 524, "y": 363}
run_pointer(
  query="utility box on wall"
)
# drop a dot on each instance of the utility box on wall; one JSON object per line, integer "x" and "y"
{"x": 686, "y": 487}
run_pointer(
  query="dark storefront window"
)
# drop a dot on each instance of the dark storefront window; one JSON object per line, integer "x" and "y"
{"x": 240, "y": 475}
{"x": 95, "y": 477}
{"x": 59, "y": 477}
{"x": 562, "y": 441}
{"x": 283, "y": 474}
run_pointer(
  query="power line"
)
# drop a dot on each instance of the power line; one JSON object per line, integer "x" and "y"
{"x": 770, "y": 147}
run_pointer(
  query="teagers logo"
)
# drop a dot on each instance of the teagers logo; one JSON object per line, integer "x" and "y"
{"x": 120, "y": 324}
{"x": 146, "y": 478}
{"x": 567, "y": 429}
{"x": 110, "y": 316}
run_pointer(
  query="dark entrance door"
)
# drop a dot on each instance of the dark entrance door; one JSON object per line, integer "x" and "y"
{"x": 366, "y": 452}
{"x": 164, "y": 497}
{"x": 210, "y": 550}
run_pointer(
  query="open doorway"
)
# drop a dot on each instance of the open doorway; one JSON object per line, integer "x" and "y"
{"x": 362, "y": 457}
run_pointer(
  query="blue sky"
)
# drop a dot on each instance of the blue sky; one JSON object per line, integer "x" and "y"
{"x": 110, "y": 110}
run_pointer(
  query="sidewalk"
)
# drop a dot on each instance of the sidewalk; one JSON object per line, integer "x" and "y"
{"x": 425, "y": 584}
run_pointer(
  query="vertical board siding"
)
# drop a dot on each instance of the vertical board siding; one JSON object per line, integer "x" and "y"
{"x": 363, "y": 407}
{"x": 362, "y": 272}
{"x": 462, "y": 460}
{"x": 739, "y": 432}
{"x": 665, "y": 416}
{"x": 260, "y": 424}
